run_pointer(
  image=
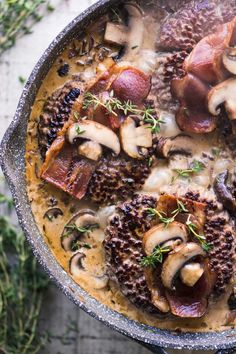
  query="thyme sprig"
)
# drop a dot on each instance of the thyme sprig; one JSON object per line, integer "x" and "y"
{"x": 162, "y": 215}
{"x": 201, "y": 238}
{"x": 17, "y": 17}
{"x": 112, "y": 104}
{"x": 80, "y": 229}
{"x": 22, "y": 286}
{"x": 195, "y": 167}
{"x": 156, "y": 257}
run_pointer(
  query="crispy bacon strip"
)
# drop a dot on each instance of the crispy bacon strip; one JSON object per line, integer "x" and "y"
{"x": 204, "y": 68}
{"x": 66, "y": 170}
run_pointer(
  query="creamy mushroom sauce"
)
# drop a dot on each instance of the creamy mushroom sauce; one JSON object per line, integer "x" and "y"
{"x": 209, "y": 148}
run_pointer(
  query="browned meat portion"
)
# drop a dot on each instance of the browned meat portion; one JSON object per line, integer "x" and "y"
{"x": 117, "y": 179}
{"x": 124, "y": 252}
{"x": 55, "y": 113}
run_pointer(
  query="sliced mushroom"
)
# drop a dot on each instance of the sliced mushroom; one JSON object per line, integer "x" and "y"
{"x": 191, "y": 273}
{"x": 91, "y": 150}
{"x": 91, "y": 130}
{"x": 77, "y": 269}
{"x": 223, "y": 192}
{"x": 130, "y": 36}
{"x": 181, "y": 144}
{"x": 224, "y": 93}
{"x": 157, "y": 294}
{"x": 133, "y": 138}
{"x": 159, "y": 235}
{"x": 229, "y": 60}
{"x": 176, "y": 260}
{"x": 85, "y": 217}
{"x": 53, "y": 213}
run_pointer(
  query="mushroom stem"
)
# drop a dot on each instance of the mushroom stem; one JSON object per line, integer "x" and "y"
{"x": 176, "y": 260}
{"x": 229, "y": 60}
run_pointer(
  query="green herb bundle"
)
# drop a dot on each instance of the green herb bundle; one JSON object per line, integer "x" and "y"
{"x": 22, "y": 286}
{"x": 17, "y": 18}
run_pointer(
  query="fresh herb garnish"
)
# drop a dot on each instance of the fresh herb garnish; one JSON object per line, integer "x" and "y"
{"x": 21, "y": 79}
{"x": 150, "y": 161}
{"x": 162, "y": 215}
{"x": 201, "y": 238}
{"x": 195, "y": 167}
{"x": 180, "y": 208}
{"x": 17, "y": 18}
{"x": 75, "y": 115}
{"x": 6, "y": 200}
{"x": 155, "y": 257}
{"x": 80, "y": 229}
{"x": 148, "y": 114}
{"x": 79, "y": 130}
{"x": 22, "y": 287}
{"x": 215, "y": 151}
{"x": 77, "y": 245}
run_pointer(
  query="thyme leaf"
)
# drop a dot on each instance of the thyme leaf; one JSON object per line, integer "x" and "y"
{"x": 80, "y": 229}
{"x": 17, "y": 18}
{"x": 195, "y": 167}
{"x": 161, "y": 215}
{"x": 201, "y": 238}
{"x": 155, "y": 257}
{"x": 112, "y": 104}
{"x": 22, "y": 286}
{"x": 79, "y": 130}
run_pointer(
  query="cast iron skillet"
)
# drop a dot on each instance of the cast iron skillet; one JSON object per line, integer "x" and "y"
{"x": 12, "y": 153}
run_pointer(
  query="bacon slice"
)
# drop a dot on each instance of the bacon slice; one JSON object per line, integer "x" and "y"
{"x": 66, "y": 170}
{"x": 204, "y": 68}
{"x": 192, "y": 302}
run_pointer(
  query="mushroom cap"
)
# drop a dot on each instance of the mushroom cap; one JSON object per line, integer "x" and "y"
{"x": 225, "y": 92}
{"x": 133, "y": 137}
{"x": 161, "y": 234}
{"x": 181, "y": 144}
{"x": 96, "y": 132}
{"x": 177, "y": 259}
{"x": 83, "y": 218}
{"x": 229, "y": 60}
{"x": 78, "y": 269}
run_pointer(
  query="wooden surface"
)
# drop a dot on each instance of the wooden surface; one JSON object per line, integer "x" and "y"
{"x": 72, "y": 331}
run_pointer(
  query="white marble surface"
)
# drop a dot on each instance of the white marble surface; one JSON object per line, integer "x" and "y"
{"x": 91, "y": 336}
